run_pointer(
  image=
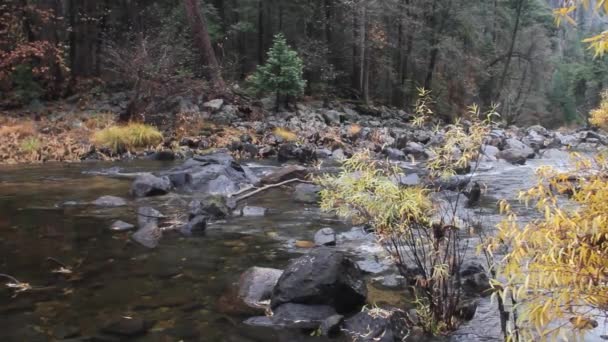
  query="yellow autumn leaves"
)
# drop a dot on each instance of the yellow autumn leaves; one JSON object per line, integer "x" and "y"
{"x": 597, "y": 43}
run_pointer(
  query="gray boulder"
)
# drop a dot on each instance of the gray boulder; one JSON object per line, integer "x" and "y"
{"x": 121, "y": 226}
{"x": 322, "y": 277}
{"x": 214, "y": 105}
{"x": 256, "y": 284}
{"x": 513, "y": 156}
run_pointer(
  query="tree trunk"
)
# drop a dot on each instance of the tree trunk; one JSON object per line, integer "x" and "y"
{"x": 202, "y": 41}
{"x": 261, "y": 32}
{"x": 505, "y": 70}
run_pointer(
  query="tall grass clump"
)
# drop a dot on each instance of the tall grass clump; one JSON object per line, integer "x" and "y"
{"x": 131, "y": 136}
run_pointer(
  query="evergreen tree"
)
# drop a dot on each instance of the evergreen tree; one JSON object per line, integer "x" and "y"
{"x": 282, "y": 72}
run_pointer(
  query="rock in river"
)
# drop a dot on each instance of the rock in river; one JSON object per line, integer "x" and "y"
{"x": 295, "y": 316}
{"x": 256, "y": 284}
{"x": 322, "y": 277}
{"x": 109, "y": 201}
{"x": 150, "y": 185}
{"x": 325, "y": 237}
{"x": 126, "y": 327}
{"x": 390, "y": 325}
{"x": 306, "y": 193}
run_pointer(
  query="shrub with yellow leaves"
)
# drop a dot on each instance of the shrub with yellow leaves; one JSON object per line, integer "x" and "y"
{"x": 597, "y": 43}
{"x": 599, "y": 116}
{"x": 555, "y": 272}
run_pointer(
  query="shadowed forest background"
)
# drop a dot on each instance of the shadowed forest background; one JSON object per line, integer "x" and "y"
{"x": 500, "y": 51}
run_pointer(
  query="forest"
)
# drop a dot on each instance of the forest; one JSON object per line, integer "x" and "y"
{"x": 304, "y": 170}
{"x": 501, "y": 51}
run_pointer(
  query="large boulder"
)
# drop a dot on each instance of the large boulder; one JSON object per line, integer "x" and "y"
{"x": 213, "y": 174}
{"x": 324, "y": 277}
{"x": 150, "y": 185}
{"x": 514, "y": 144}
{"x": 513, "y": 156}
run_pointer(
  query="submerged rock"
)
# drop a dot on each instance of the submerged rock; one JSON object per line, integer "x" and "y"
{"x": 195, "y": 224}
{"x": 150, "y": 185}
{"x": 126, "y": 327}
{"x": 306, "y": 193}
{"x": 323, "y": 276}
{"x": 121, "y": 226}
{"x": 295, "y": 316}
{"x": 285, "y": 173}
{"x": 213, "y": 206}
{"x": 109, "y": 201}
{"x": 249, "y": 211}
{"x": 513, "y": 156}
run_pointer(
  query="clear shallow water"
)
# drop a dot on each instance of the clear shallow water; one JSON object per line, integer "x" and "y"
{"x": 178, "y": 286}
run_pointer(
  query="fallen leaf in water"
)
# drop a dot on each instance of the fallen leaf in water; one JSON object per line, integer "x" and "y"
{"x": 304, "y": 244}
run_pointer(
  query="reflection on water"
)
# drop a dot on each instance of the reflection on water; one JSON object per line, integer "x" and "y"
{"x": 176, "y": 287}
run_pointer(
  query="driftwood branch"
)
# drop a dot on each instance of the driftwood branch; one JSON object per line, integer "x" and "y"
{"x": 264, "y": 188}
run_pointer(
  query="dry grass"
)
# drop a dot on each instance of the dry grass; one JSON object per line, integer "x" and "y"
{"x": 128, "y": 137}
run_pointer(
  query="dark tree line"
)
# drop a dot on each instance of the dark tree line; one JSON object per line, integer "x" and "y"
{"x": 375, "y": 51}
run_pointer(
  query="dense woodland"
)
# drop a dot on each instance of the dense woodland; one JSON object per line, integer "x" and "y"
{"x": 501, "y": 51}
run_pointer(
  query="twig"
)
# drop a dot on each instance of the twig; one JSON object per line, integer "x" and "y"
{"x": 245, "y": 189}
{"x": 264, "y": 188}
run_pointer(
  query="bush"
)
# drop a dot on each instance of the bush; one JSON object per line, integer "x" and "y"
{"x": 554, "y": 273}
{"x": 599, "y": 116}
{"x": 130, "y": 136}
{"x": 282, "y": 73}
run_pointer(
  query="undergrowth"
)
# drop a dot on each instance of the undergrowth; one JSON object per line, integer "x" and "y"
{"x": 125, "y": 138}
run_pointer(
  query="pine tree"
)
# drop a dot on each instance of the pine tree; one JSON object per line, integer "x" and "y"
{"x": 282, "y": 72}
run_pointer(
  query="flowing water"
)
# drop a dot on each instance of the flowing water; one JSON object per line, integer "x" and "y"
{"x": 178, "y": 287}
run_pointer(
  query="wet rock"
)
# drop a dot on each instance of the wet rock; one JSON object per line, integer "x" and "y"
{"x": 325, "y": 237}
{"x": 127, "y": 327}
{"x": 355, "y": 233}
{"x": 121, "y": 226}
{"x": 256, "y": 285}
{"x": 250, "y": 211}
{"x": 294, "y": 316}
{"x": 390, "y": 326}
{"x": 555, "y": 154}
{"x": 291, "y": 151}
{"x": 148, "y": 236}
{"x": 393, "y": 153}
{"x": 150, "y": 185}
{"x": 213, "y": 206}
{"x": 475, "y": 280}
{"x": 373, "y": 265}
{"x": 167, "y": 155}
{"x": 330, "y": 327}
{"x": 285, "y": 173}
{"x": 513, "y": 156}
{"x": 147, "y": 216}
{"x": 516, "y": 145}
{"x": 306, "y": 193}
{"x": 214, "y": 105}
{"x": 179, "y": 179}
{"x": 195, "y": 224}
{"x": 567, "y": 139}
{"x": 474, "y": 195}
{"x": 109, "y": 201}
{"x": 323, "y": 276}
